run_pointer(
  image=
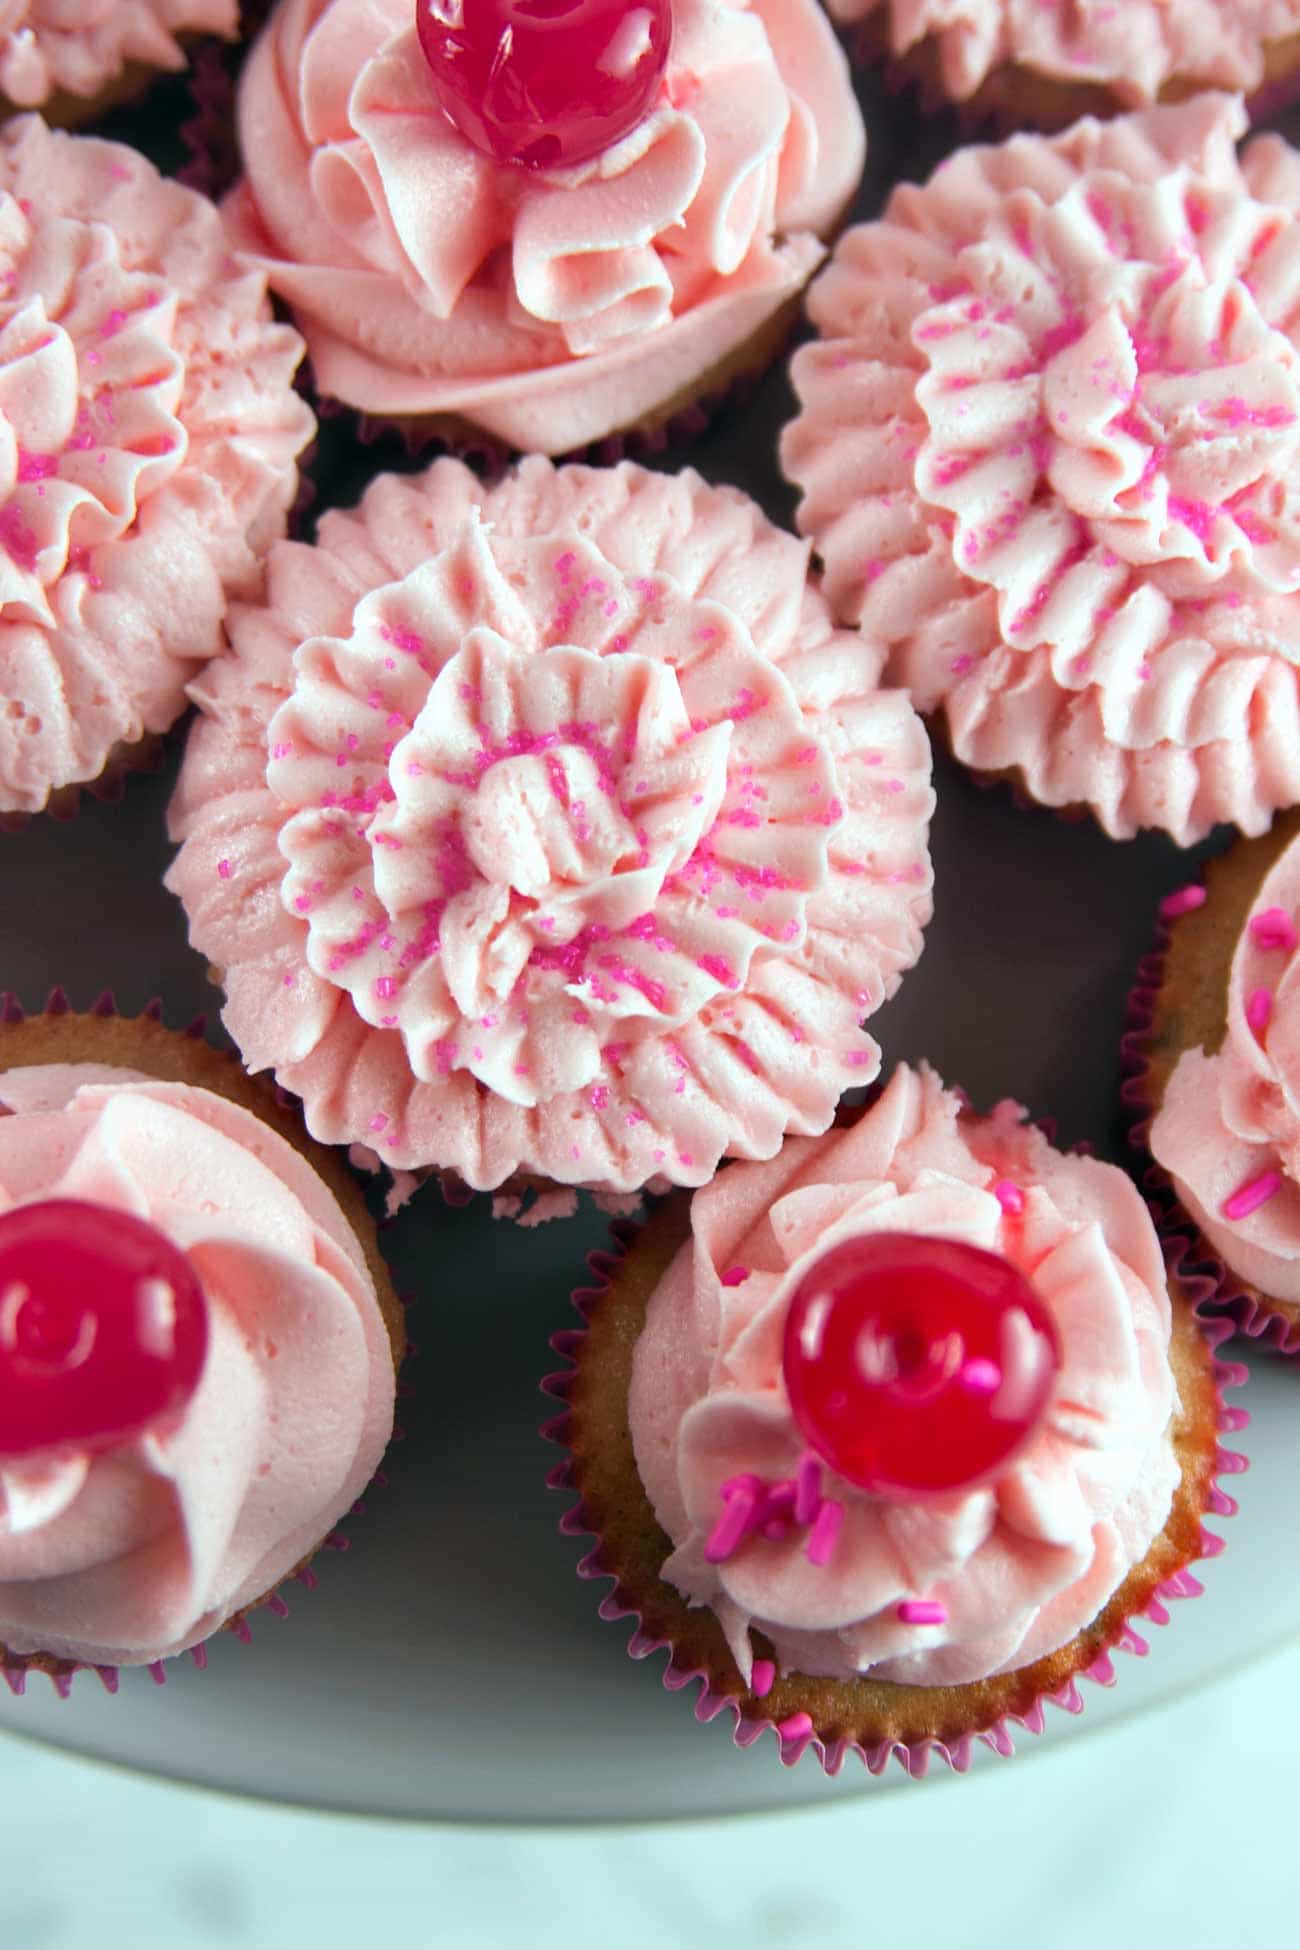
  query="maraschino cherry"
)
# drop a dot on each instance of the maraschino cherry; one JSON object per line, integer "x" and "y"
{"x": 103, "y": 1328}
{"x": 917, "y": 1365}
{"x": 545, "y": 83}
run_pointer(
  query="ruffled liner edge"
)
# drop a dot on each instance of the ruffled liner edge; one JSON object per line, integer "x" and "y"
{"x": 15, "y": 1669}
{"x": 793, "y": 1742}
{"x": 1245, "y": 1308}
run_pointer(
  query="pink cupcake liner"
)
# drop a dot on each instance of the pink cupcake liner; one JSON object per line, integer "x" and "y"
{"x": 16, "y": 1676}
{"x": 796, "y": 1735}
{"x": 1221, "y": 1290}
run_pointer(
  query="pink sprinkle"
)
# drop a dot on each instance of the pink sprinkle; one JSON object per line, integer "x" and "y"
{"x": 762, "y": 1678}
{"x": 825, "y": 1529}
{"x": 731, "y": 1526}
{"x": 1259, "y": 1009}
{"x": 980, "y": 1377}
{"x": 796, "y": 1727}
{"x": 1009, "y": 1197}
{"x": 1272, "y": 929}
{"x": 1181, "y": 902}
{"x": 807, "y": 1488}
{"x": 1249, "y": 1197}
{"x": 735, "y": 1276}
{"x": 223, "y": 869}
{"x": 922, "y": 1611}
{"x": 379, "y": 1121}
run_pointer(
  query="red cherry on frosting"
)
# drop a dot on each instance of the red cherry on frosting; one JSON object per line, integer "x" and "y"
{"x": 917, "y": 1365}
{"x": 545, "y": 83}
{"x": 103, "y": 1328}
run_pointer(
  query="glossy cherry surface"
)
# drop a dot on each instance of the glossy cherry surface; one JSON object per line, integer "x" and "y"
{"x": 545, "y": 83}
{"x": 917, "y": 1365}
{"x": 103, "y": 1328}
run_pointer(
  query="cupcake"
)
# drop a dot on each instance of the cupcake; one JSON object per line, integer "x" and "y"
{"x": 149, "y": 435}
{"x": 1047, "y": 449}
{"x": 887, "y": 1440}
{"x": 551, "y": 830}
{"x": 74, "y": 59}
{"x": 1041, "y": 63}
{"x": 197, "y": 1343}
{"x": 1214, "y": 1061}
{"x": 592, "y": 232}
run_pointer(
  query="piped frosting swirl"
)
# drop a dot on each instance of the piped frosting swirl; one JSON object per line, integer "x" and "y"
{"x": 148, "y": 444}
{"x": 561, "y": 832}
{"x": 1046, "y": 449}
{"x": 548, "y": 308}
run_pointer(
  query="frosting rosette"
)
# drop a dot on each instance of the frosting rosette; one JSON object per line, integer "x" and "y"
{"x": 1000, "y": 1574}
{"x": 1047, "y": 450}
{"x": 81, "y": 47}
{"x": 1134, "y": 50}
{"x": 553, "y": 828}
{"x": 1228, "y": 1127}
{"x": 549, "y": 308}
{"x": 148, "y": 443}
{"x": 126, "y": 1555}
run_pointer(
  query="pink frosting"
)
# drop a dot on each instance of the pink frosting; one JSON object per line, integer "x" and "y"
{"x": 148, "y": 444}
{"x": 550, "y": 309}
{"x": 1230, "y": 1120}
{"x": 1131, "y": 47}
{"x": 78, "y": 47}
{"x": 1016, "y": 1567}
{"x": 132, "y": 1554}
{"x": 1048, "y": 450}
{"x": 553, "y": 827}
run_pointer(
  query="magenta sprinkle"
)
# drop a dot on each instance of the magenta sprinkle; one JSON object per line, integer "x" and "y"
{"x": 223, "y": 869}
{"x": 735, "y": 1276}
{"x": 796, "y": 1727}
{"x": 825, "y": 1529}
{"x": 922, "y": 1611}
{"x": 728, "y": 1532}
{"x": 807, "y": 1488}
{"x": 1009, "y": 1197}
{"x": 1182, "y": 902}
{"x": 980, "y": 1377}
{"x": 1259, "y": 1009}
{"x": 1249, "y": 1197}
{"x": 1272, "y": 929}
{"x": 762, "y": 1678}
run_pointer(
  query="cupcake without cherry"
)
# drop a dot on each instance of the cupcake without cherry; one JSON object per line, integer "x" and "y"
{"x": 551, "y": 830}
{"x": 149, "y": 439}
{"x": 1047, "y": 448}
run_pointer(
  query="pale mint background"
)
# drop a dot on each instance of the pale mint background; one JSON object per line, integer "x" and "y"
{"x": 1176, "y": 1829}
